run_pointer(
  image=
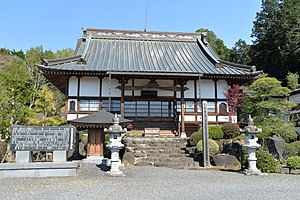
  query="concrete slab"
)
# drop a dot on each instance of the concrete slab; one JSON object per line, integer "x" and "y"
{"x": 46, "y": 169}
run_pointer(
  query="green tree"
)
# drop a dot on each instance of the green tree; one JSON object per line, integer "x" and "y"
{"x": 266, "y": 103}
{"x": 17, "y": 92}
{"x": 293, "y": 80}
{"x": 33, "y": 57}
{"x": 240, "y": 53}
{"x": 64, "y": 53}
{"x": 266, "y": 99}
{"x": 217, "y": 44}
{"x": 276, "y": 48}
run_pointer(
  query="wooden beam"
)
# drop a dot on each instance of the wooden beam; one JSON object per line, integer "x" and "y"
{"x": 182, "y": 108}
{"x": 159, "y": 88}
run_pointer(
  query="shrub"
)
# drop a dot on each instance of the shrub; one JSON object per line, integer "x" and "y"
{"x": 213, "y": 147}
{"x": 266, "y": 162}
{"x": 293, "y": 149}
{"x": 293, "y": 162}
{"x": 215, "y": 132}
{"x": 195, "y": 138}
{"x": 221, "y": 145}
{"x": 3, "y": 146}
{"x": 231, "y": 130}
{"x": 275, "y": 126}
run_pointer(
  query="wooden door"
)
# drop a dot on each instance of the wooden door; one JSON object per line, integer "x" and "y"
{"x": 95, "y": 142}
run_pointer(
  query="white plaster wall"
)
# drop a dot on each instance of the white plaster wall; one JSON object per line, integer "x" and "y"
{"x": 114, "y": 92}
{"x": 166, "y": 83}
{"x": 71, "y": 116}
{"x": 207, "y": 88}
{"x": 141, "y": 82}
{"x": 90, "y": 86}
{"x": 295, "y": 98}
{"x": 165, "y": 93}
{"x": 190, "y": 93}
{"x": 212, "y": 118}
{"x": 73, "y": 86}
{"x": 199, "y": 118}
{"x": 223, "y": 118}
{"x": 69, "y": 100}
{"x": 189, "y": 118}
{"x": 221, "y": 87}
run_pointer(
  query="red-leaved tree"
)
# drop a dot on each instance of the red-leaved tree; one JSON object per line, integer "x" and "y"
{"x": 234, "y": 99}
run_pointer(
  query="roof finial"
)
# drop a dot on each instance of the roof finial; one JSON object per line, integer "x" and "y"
{"x": 145, "y": 28}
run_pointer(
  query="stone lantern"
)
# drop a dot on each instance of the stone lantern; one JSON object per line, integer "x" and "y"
{"x": 251, "y": 145}
{"x": 115, "y": 145}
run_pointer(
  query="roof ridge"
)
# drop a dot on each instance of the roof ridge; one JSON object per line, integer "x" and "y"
{"x": 132, "y": 34}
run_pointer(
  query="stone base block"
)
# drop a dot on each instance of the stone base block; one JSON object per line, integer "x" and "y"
{"x": 257, "y": 172}
{"x": 115, "y": 173}
{"x": 23, "y": 156}
{"x": 59, "y": 156}
{"x": 295, "y": 171}
{"x": 283, "y": 170}
{"x": 43, "y": 169}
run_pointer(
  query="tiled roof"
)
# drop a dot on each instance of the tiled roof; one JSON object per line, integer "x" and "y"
{"x": 101, "y": 117}
{"x": 145, "y": 52}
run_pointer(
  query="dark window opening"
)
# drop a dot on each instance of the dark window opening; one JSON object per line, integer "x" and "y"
{"x": 72, "y": 106}
{"x": 149, "y": 93}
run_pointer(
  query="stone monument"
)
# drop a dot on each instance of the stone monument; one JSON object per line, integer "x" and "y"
{"x": 26, "y": 139}
{"x": 251, "y": 145}
{"x": 205, "y": 145}
{"x": 115, "y": 145}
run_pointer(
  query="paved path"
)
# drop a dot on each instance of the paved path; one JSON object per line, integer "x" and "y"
{"x": 154, "y": 183}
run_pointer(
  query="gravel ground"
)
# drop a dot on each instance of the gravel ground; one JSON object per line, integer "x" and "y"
{"x": 154, "y": 183}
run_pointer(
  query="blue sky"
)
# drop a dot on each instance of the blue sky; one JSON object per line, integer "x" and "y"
{"x": 56, "y": 24}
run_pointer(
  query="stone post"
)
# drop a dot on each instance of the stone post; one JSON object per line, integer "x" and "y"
{"x": 205, "y": 146}
{"x": 251, "y": 145}
{"x": 115, "y": 145}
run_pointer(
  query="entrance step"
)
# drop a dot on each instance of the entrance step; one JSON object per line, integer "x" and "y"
{"x": 159, "y": 152}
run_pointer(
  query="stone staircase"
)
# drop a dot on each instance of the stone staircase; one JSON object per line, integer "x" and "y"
{"x": 159, "y": 151}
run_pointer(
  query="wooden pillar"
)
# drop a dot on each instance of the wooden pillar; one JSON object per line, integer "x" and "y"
{"x": 67, "y": 98}
{"x": 78, "y": 95}
{"x": 122, "y": 81}
{"x": 182, "y": 107}
{"x": 77, "y": 144}
{"x": 199, "y": 96}
{"x": 95, "y": 142}
{"x": 216, "y": 100}
{"x": 100, "y": 92}
{"x": 122, "y": 98}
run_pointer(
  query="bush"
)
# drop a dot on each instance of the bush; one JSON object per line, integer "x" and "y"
{"x": 231, "y": 130}
{"x": 215, "y": 132}
{"x": 293, "y": 162}
{"x": 293, "y": 149}
{"x": 3, "y": 146}
{"x": 195, "y": 138}
{"x": 213, "y": 147}
{"x": 275, "y": 126}
{"x": 266, "y": 162}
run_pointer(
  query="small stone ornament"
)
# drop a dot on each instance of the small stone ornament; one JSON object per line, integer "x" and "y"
{"x": 251, "y": 144}
{"x": 115, "y": 145}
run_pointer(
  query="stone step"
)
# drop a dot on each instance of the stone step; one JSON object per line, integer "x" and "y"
{"x": 176, "y": 165}
{"x": 161, "y": 152}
